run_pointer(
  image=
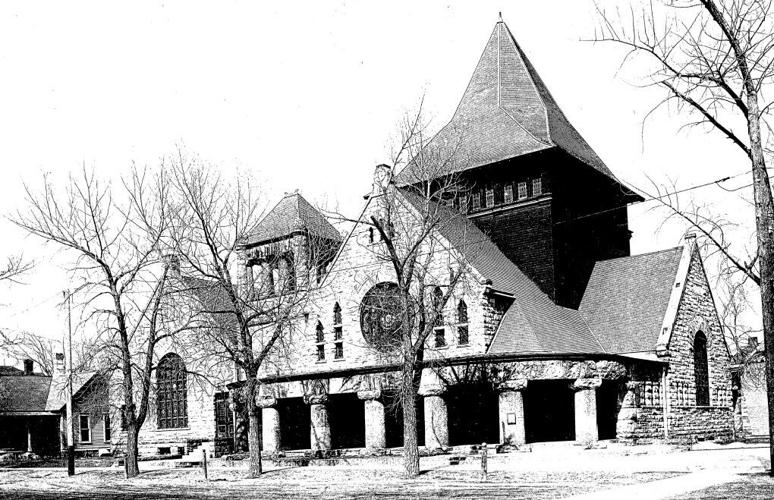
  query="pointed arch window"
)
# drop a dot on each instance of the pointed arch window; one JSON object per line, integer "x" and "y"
{"x": 462, "y": 323}
{"x": 320, "y": 341}
{"x": 438, "y": 328}
{"x": 701, "y": 369}
{"x": 171, "y": 393}
{"x": 338, "y": 333}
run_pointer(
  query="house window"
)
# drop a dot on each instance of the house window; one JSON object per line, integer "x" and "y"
{"x": 522, "y": 190}
{"x": 490, "y": 197}
{"x": 537, "y": 186}
{"x": 320, "y": 339}
{"x": 462, "y": 322}
{"x": 701, "y": 370}
{"x": 171, "y": 392}
{"x": 508, "y": 193}
{"x": 476, "y": 200}
{"x": 438, "y": 328}
{"x": 84, "y": 428}
{"x": 463, "y": 204}
{"x": 338, "y": 332}
{"x": 106, "y": 426}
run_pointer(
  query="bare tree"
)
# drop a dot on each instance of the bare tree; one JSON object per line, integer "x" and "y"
{"x": 714, "y": 60}
{"x": 15, "y": 267}
{"x": 404, "y": 320}
{"x": 27, "y": 345}
{"x": 115, "y": 236}
{"x": 247, "y": 322}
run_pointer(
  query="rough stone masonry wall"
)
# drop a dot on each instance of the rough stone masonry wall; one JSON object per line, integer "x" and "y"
{"x": 200, "y": 406}
{"x": 697, "y": 312}
{"x": 359, "y": 266}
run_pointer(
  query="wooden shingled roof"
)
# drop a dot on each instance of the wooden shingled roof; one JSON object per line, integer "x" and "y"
{"x": 505, "y": 112}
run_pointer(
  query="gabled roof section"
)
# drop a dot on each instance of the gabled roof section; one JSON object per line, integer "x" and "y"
{"x": 214, "y": 300}
{"x": 58, "y": 393}
{"x": 505, "y": 112}
{"x": 293, "y": 214}
{"x": 533, "y": 323}
{"x": 627, "y": 298}
{"x": 23, "y": 393}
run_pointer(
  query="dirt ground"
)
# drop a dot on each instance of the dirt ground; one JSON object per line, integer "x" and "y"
{"x": 555, "y": 471}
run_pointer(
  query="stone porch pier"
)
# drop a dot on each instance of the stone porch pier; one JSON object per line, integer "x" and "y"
{"x": 320, "y": 430}
{"x": 375, "y": 433}
{"x": 586, "y": 429}
{"x": 270, "y": 423}
{"x": 511, "y": 410}
{"x": 436, "y": 418}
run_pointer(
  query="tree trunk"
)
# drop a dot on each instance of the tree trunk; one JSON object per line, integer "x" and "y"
{"x": 254, "y": 431}
{"x": 131, "y": 467}
{"x": 410, "y": 441}
{"x": 764, "y": 225}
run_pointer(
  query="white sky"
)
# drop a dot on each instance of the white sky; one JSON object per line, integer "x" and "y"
{"x": 304, "y": 94}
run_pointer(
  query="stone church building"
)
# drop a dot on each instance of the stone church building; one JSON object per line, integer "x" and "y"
{"x": 557, "y": 332}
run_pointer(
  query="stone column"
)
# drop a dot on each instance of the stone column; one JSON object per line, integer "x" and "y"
{"x": 626, "y": 425}
{"x": 511, "y": 403}
{"x": 320, "y": 430}
{"x": 436, "y": 419}
{"x": 375, "y": 433}
{"x": 271, "y": 423}
{"x": 586, "y": 409}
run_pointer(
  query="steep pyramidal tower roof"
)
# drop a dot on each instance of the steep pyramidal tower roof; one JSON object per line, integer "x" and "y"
{"x": 506, "y": 111}
{"x": 291, "y": 215}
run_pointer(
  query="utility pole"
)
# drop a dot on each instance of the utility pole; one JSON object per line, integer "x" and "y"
{"x": 69, "y": 417}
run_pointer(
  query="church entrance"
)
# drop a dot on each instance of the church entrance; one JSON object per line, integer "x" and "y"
{"x": 549, "y": 411}
{"x": 473, "y": 414}
{"x": 393, "y": 420}
{"x": 346, "y": 417}
{"x": 295, "y": 422}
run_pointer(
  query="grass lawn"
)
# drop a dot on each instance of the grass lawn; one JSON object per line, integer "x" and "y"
{"x": 306, "y": 482}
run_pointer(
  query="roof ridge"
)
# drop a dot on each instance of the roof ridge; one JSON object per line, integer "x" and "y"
{"x": 522, "y": 57}
{"x": 653, "y": 252}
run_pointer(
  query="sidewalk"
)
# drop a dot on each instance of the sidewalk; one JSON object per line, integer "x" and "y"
{"x": 663, "y": 488}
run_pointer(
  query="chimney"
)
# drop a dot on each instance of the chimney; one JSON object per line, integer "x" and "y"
{"x": 59, "y": 362}
{"x": 28, "y": 365}
{"x": 382, "y": 179}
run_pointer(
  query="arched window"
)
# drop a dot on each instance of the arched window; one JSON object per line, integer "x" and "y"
{"x": 171, "y": 393}
{"x": 438, "y": 329}
{"x": 320, "y": 340}
{"x": 338, "y": 332}
{"x": 700, "y": 369}
{"x": 462, "y": 323}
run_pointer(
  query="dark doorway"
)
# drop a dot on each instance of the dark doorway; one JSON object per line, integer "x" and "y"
{"x": 346, "y": 417}
{"x": 393, "y": 420}
{"x": 473, "y": 414}
{"x": 295, "y": 421}
{"x": 549, "y": 411}
{"x": 607, "y": 408}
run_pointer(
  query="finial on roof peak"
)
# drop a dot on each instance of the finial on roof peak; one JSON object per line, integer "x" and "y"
{"x": 288, "y": 194}
{"x": 500, "y": 17}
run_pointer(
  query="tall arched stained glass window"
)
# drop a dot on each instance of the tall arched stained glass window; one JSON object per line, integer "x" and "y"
{"x": 171, "y": 393}
{"x": 701, "y": 370}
